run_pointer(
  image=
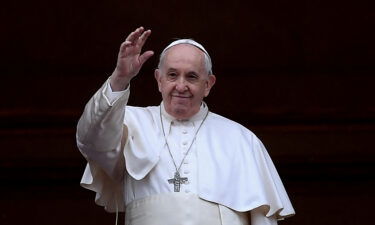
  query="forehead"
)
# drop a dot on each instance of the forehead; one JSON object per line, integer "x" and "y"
{"x": 184, "y": 53}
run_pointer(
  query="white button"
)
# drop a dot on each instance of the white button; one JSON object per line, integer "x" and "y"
{"x": 184, "y": 143}
{"x": 187, "y": 191}
{"x": 186, "y": 161}
{"x": 186, "y": 172}
{"x": 184, "y": 132}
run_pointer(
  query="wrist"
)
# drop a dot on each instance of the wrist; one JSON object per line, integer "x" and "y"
{"x": 118, "y": 83}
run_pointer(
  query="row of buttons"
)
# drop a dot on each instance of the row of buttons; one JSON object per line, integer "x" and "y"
{"x": 184, "y": 144}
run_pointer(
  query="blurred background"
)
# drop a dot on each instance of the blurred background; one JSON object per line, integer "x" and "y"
{"x": 299, "y": 74}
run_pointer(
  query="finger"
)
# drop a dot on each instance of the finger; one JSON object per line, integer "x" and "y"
{"x": 143, "y": 38}
{"x": 145, "y": 56}
{"x": 124, "y": 45}
{"x": 133, "y": 36}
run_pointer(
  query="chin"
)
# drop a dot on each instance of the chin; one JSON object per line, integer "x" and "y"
{"x": 181, "y": 109}
{"x": 181, "y": 113}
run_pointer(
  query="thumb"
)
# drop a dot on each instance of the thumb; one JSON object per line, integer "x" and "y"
{"x": 145, "y": 56}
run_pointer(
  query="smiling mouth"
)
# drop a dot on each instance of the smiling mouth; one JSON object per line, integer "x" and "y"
{"x": 179, "y": 96}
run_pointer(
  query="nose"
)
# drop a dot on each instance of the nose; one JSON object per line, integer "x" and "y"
{"x": 181, "y": 85}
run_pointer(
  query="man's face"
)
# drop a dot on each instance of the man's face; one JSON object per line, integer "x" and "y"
{"x": 183, "y": 80}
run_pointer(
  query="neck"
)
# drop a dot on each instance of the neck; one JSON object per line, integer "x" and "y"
{"x": 202, "y": 110}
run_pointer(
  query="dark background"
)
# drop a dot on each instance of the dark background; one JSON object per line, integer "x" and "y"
{"x": 299, "y": 73}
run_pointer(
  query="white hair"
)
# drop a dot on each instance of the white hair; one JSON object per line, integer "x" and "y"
{"x": 207, "y": 58}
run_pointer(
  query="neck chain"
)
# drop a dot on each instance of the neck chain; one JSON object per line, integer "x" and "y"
{"x": 178, "y": 180}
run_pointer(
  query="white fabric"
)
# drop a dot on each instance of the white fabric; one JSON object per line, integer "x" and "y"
{"x": 104, "y": 172}
{"x": 234, "y": 169}
{"x": 111, "y": 95}
{"x": 180, "y": 209}
{"x": 258, "y": 218}
{"x": 180, "y": 135}
{"x": 187, "y": 41}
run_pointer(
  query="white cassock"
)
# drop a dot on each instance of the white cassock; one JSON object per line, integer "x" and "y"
{"x": 228, "y": 169}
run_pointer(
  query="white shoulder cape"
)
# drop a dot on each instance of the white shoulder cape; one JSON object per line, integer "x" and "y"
{"x": 234, "y": 167}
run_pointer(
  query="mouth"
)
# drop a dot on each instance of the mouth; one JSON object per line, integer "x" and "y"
{"x": 180, "y": 96}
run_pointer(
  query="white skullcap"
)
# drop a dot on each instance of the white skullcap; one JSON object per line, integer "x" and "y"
{"x": 208, "y": 62}
{"x": 187, "y": 41}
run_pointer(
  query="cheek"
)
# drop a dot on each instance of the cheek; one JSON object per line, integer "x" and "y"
{"x": 203, "y": 91}
{"x": 166, "y": 90}
{"x": 160, "y": 86}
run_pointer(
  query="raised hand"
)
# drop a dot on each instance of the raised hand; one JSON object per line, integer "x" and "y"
{"x": 130, "y": 59}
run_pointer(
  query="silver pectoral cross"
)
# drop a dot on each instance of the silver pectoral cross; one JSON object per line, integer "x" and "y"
{"x": 177, "y": 181}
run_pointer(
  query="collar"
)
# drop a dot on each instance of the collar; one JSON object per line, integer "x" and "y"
{"x": 196, "y": 119}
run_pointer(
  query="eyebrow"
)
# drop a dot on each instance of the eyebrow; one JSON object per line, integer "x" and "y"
{"x": 171, "y": 69}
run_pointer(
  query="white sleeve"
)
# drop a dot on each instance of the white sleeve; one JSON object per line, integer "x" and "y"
{"x": 100, "y": 130}
{"x": 114, "y": 95}
{"x": 258, "y": 218}
{"x": 100, "y": 138}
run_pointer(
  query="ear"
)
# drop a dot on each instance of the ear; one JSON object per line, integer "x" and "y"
{"x": 157, "y": 76}
{"x": 209, "y": 84}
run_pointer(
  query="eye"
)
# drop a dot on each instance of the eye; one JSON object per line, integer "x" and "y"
{"x": 172, "y": 75}
{"x": 192, "y": 76}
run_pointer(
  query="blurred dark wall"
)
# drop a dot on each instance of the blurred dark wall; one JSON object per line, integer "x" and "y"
{"x": 300, "y": 74}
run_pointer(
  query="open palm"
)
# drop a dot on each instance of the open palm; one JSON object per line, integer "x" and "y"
{"x": 130, "y": 59}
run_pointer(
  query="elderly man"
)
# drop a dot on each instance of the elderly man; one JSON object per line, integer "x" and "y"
{"x": 176, "y": 163}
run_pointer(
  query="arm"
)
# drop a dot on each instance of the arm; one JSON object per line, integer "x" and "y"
{"x": 100, "y": 128}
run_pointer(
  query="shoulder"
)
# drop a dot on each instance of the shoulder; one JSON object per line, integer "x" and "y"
{"x": 141, "y": 114}
{"x": 229, "y": 127}
{"x": 232, "y": 138}
{"x": 223, "y": 122}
